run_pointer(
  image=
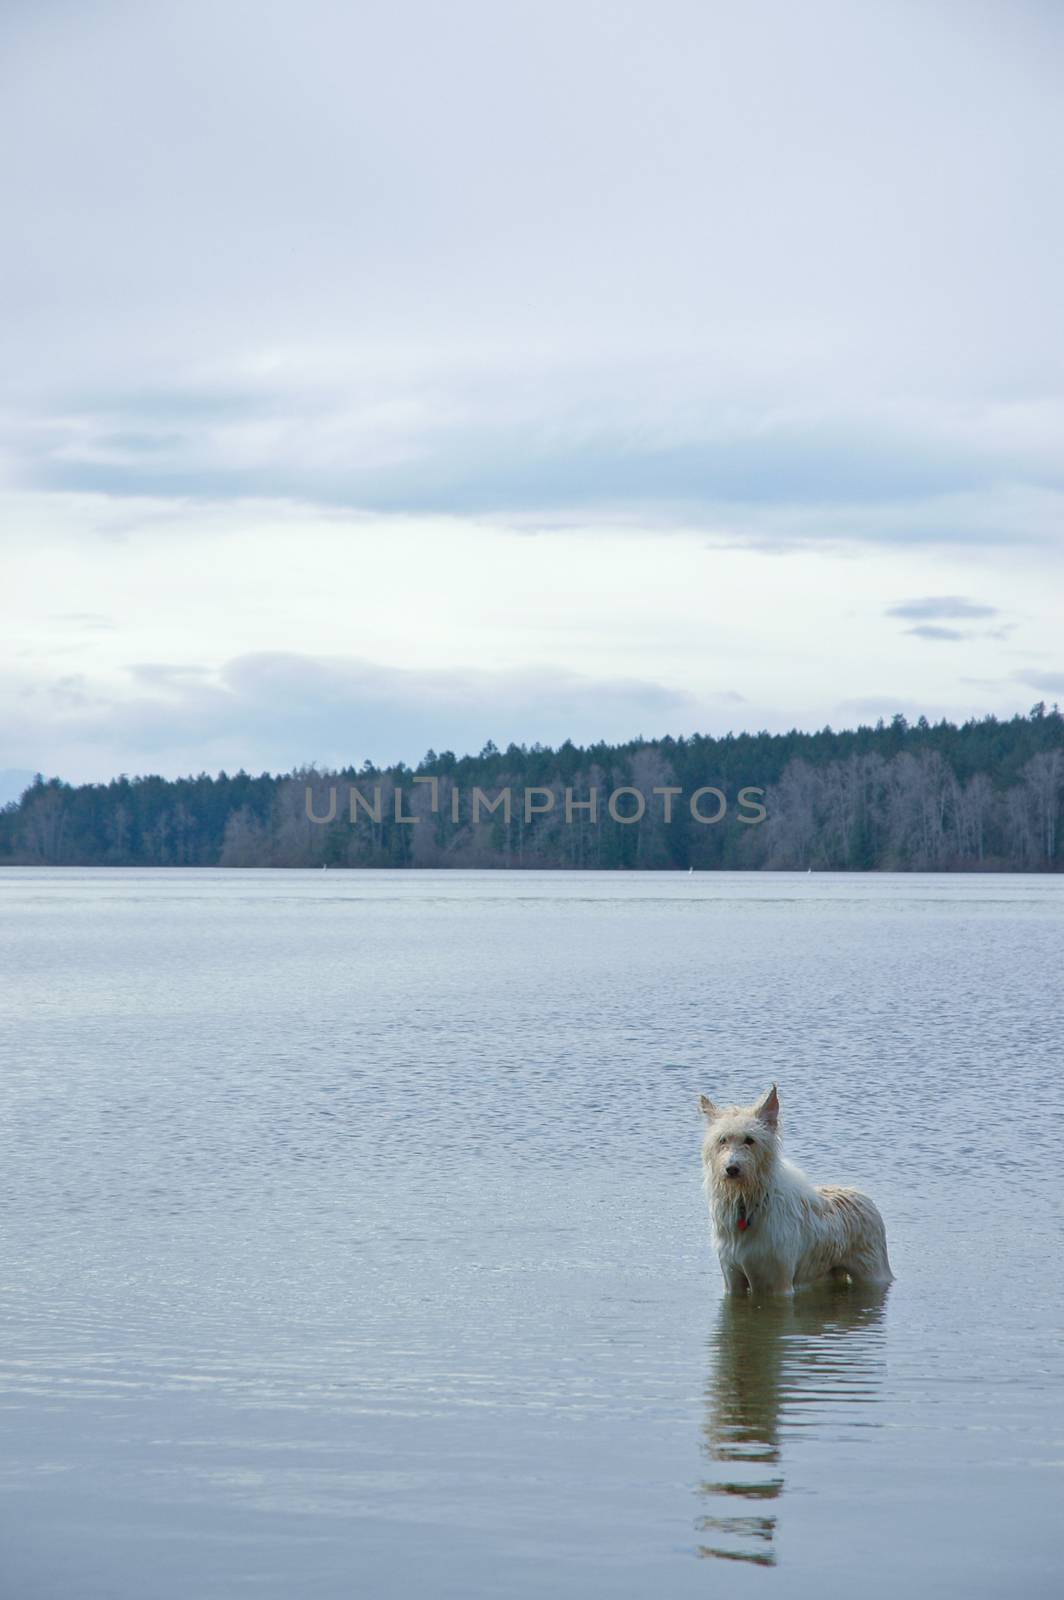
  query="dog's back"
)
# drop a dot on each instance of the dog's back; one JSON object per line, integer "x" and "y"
{"x": 850, "y": 1238}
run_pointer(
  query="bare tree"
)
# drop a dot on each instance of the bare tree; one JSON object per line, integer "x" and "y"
{"x": 1043, "y": 778}
{"x": 975, "y": 807}
{"x": 792, "y": 808}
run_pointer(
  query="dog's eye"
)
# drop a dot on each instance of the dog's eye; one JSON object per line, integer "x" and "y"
{"x": 748, "y": 1140}
{"x": 722, "y": 1140}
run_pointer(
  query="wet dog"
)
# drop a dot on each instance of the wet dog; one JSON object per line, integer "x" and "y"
{"x": 775, "y": 1231}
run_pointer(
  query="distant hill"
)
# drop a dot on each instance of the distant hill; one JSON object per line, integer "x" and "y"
{"x": 985, "y": 795}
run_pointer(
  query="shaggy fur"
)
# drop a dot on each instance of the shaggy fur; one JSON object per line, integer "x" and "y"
{"x": 776, "y": 1231}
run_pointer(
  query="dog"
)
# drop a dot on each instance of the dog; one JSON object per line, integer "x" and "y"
{"x": 775, "y": 1231}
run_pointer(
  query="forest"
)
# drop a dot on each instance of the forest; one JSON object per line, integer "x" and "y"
{"x": 985, "y": 795}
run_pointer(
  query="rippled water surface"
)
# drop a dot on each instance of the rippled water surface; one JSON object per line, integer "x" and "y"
{"x": 353, "y": 1243}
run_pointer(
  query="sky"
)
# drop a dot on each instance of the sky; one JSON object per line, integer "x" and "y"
{"x": 381, "y": 377}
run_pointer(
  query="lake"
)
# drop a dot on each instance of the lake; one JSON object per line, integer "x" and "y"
{"x": 353, "y": 1241}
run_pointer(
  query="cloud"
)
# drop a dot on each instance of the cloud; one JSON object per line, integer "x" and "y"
{"x": 167, "y": 674}
{"x": 561, "y": 445}
{"x": 941, "y": 605}
{"x": 929, "y": 630}
{"x": 435, "y": 264}
{"x": 87, "y": 621}
{"x": 279, "y": 709}
{"x": 558, "y": 453}
{"x": 1051, "y": 682}
{"x": 553, "y": 285}
{"x": 949, "y": 606}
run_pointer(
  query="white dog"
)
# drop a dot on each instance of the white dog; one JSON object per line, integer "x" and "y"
{"x": 776, "y": 1231}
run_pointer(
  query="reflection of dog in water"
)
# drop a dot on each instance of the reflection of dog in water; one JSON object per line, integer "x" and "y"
{"x": 773, "y": 1361}
{"x": 775, "y": 1230}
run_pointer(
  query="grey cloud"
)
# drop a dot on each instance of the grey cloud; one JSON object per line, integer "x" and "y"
{"x": 277, "y": 709}
{"x": 1051, "y": 682}
{"x": 371, "y": 273}
{"x": 941, "y": 605}
{"x": 454, "y": 173}
{"x": 1003, "y": 632}
{"x": 606, "y": 268}
{"x": 775, "y": 481}
{"x": 482, "y": 471}
{"x": 929, "y": 630}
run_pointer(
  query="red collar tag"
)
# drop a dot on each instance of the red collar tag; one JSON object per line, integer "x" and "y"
{"x": 743, "y": 1224}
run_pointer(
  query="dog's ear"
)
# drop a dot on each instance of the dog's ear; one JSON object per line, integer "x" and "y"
{"x": 707, "y": 1108}
{"x": 768, "y": 1108}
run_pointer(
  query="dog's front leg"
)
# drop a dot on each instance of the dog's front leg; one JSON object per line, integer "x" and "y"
{"x": 774, "y": 1280}
{"x": 734, "y": 1278}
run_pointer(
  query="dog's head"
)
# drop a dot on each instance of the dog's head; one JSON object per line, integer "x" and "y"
{"x": 740, "y": 1142}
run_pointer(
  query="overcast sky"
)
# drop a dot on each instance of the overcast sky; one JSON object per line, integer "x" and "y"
{"x": 380, "y": 376}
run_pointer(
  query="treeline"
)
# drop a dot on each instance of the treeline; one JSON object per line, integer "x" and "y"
{"x": 984, "y": 795}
